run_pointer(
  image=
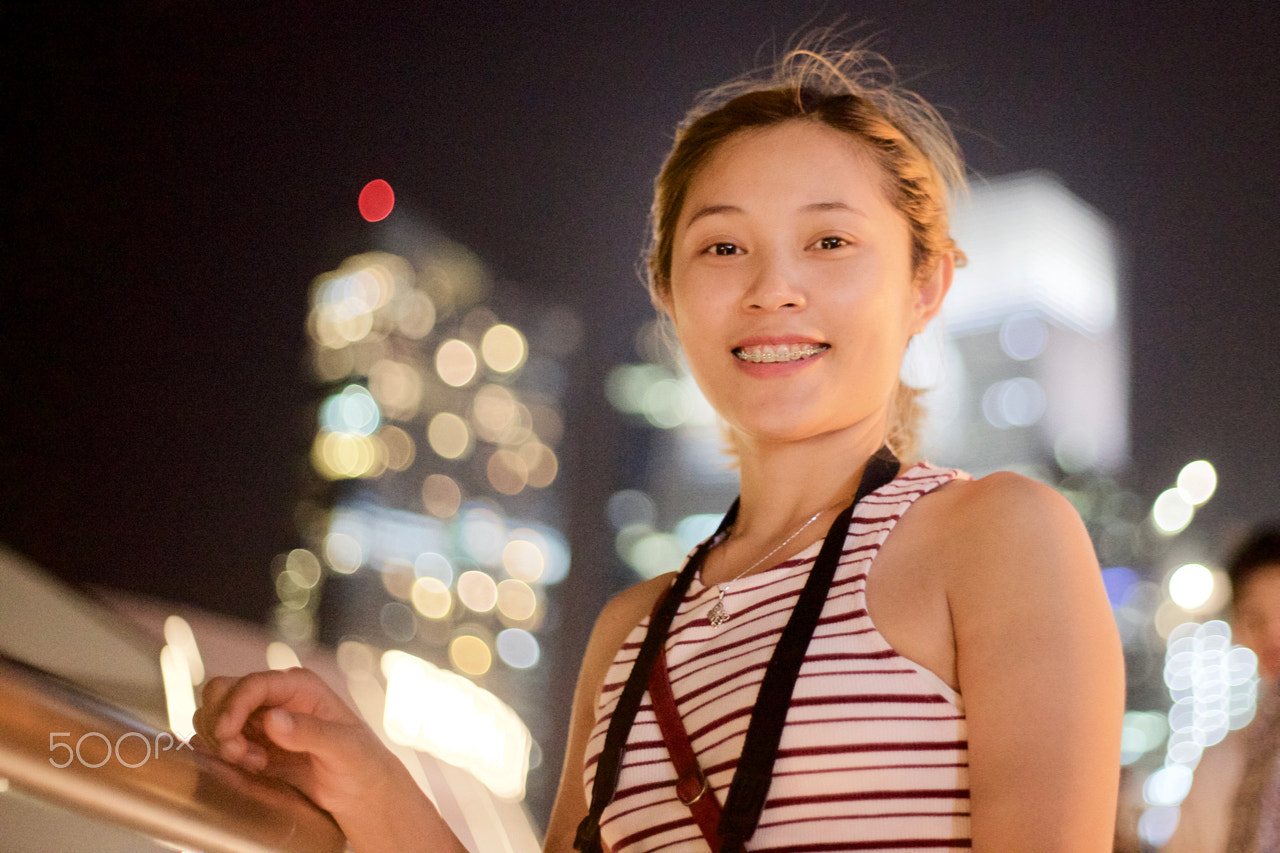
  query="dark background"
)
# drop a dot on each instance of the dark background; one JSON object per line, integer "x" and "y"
{"x": 177, "y": 173}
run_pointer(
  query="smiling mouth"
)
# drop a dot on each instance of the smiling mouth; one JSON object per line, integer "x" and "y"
{"x": 771, "y": 353}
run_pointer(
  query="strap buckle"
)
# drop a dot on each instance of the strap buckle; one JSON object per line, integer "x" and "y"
{"x": 684, "y": 783}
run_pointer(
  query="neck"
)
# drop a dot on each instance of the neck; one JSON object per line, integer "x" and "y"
{"x": 785, "y": 483}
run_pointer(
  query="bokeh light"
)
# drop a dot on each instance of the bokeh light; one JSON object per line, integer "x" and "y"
{"x": 541, "y": 463}
{"x": 399, "y": 447}
{"x": 630, "y": 506}
{"x": 1190, "y": 586}
{"x": 353, "y": 410}
{"x": 431, "y": 598}
{"x": 516, "y": 600}
{"x": 470, "y": 654}
{"x": 377, "y": 200}
{"x": 1023, "y": 336}
{"x": 304, "y": 565}
{"x": 1172, "y": 512}
{"x": 477, "y": 591}
{"x": 1197, "y": 481}
{"x": 1018, "y": 402}
{"x": 494, "y": 413}
{"x": 397, "y": 387}
{"x": 523, "y": 558}
{"x": 429, "y": 564}
{"x": 441, "y": 495}
{"x": 507, "y": 472}
{"x": 503, "y": 348}
{"x": 518, "y": 648}
{"x": 343, "y": 552}
{"x": 449, "y": 436}
{"x": 398, "y": 621}
{"x": 291, "y": 591}
{"x": 456, "y": 363}
{"x": 281, "y": 656}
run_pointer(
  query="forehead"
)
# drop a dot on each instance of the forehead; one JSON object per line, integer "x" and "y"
{"x": 793, "y": 161}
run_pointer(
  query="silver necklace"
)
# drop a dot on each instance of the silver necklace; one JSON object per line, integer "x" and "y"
{"x": 718, "y": 615}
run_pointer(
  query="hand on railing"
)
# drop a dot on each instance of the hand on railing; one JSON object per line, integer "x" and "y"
{"x": 289, "y": 724}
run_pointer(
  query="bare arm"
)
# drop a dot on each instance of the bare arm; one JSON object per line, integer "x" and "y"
{"x": 616, "y": 621}
{"x": 1040, "y": 670}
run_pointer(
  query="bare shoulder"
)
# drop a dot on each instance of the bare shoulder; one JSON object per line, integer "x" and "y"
{"x": 623, "y": 612}
{"x": 618, "y": 618}
{"x": 1004, "y": 523}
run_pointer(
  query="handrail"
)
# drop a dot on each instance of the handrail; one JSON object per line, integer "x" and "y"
{"x": 66, "y": 746}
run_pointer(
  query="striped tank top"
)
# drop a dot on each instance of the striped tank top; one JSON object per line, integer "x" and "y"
{"x": 874, "y": 753}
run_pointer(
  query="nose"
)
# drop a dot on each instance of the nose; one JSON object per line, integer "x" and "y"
{"x": 774, "y": 286}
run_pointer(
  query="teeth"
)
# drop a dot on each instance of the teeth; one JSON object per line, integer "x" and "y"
{"x": 769, "y": 353}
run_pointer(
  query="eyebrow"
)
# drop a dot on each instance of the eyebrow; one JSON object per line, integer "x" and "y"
{"x": 713, "y": 209}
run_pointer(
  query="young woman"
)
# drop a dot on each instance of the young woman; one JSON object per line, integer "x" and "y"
{"x": 930, "y": 666}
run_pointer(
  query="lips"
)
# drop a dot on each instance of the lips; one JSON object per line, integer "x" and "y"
{"x": 775, "y": 353}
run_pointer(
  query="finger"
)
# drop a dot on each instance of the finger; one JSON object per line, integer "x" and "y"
{"x": 211, "y": 696}
{"x": 296, "y": 688}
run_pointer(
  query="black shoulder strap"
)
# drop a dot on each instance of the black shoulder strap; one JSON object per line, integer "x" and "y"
{"x": 751, "y": 780}
{"x": 750, "y": 785}
{"x": 609, "y": 764}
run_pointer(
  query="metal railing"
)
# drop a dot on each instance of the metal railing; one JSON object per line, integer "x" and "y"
{"x": 67, "y": 747}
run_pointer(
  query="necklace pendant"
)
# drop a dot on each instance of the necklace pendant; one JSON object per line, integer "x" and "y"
{"x": 717, "y": 616}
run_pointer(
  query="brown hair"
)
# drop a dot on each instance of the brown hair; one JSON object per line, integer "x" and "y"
{"x": 852, "y": 90}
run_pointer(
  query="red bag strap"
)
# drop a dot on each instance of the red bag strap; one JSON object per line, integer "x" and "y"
{"x": 692, "y": 787}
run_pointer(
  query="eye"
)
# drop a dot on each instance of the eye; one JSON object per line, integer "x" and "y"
{"x": 724, "y": 249}
{"x": 831, "y": 243}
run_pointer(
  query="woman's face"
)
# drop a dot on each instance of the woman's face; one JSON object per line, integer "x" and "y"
{"x": 792, "y": 289}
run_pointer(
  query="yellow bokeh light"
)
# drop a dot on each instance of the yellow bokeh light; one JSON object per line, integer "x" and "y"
{"x": 345, "y": 455}
{"x": 477, "y": 591}
{"x": 507, "y": 472}
{"x": 399, "y": 446}
{"x": 449, "y": 436}
{"x": 431, "y": 598}
{"x": 441, "y": 496}
{"x": 541, "y": 463}
{"x": 470, "y": 654}
{"x": 516, "y": 600}
{"x": 503, "y": 348}
{"x": 523, "y": 560}
{"x": 305, "y": 565}
{"x": 456, "y": 363}
{"x": 291, "y": 592}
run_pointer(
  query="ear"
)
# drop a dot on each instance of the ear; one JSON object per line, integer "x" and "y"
{"x": 931, "y": 291}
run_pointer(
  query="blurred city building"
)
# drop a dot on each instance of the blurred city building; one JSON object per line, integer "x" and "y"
{"x": 1028, "y": 362}
{"x": 434, "y": 530}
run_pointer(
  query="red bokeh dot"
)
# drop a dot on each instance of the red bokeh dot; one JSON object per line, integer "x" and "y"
{"x": 376, "y": 200}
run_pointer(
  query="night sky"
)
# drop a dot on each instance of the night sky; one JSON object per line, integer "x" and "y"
{"x": 178, "y": 172}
